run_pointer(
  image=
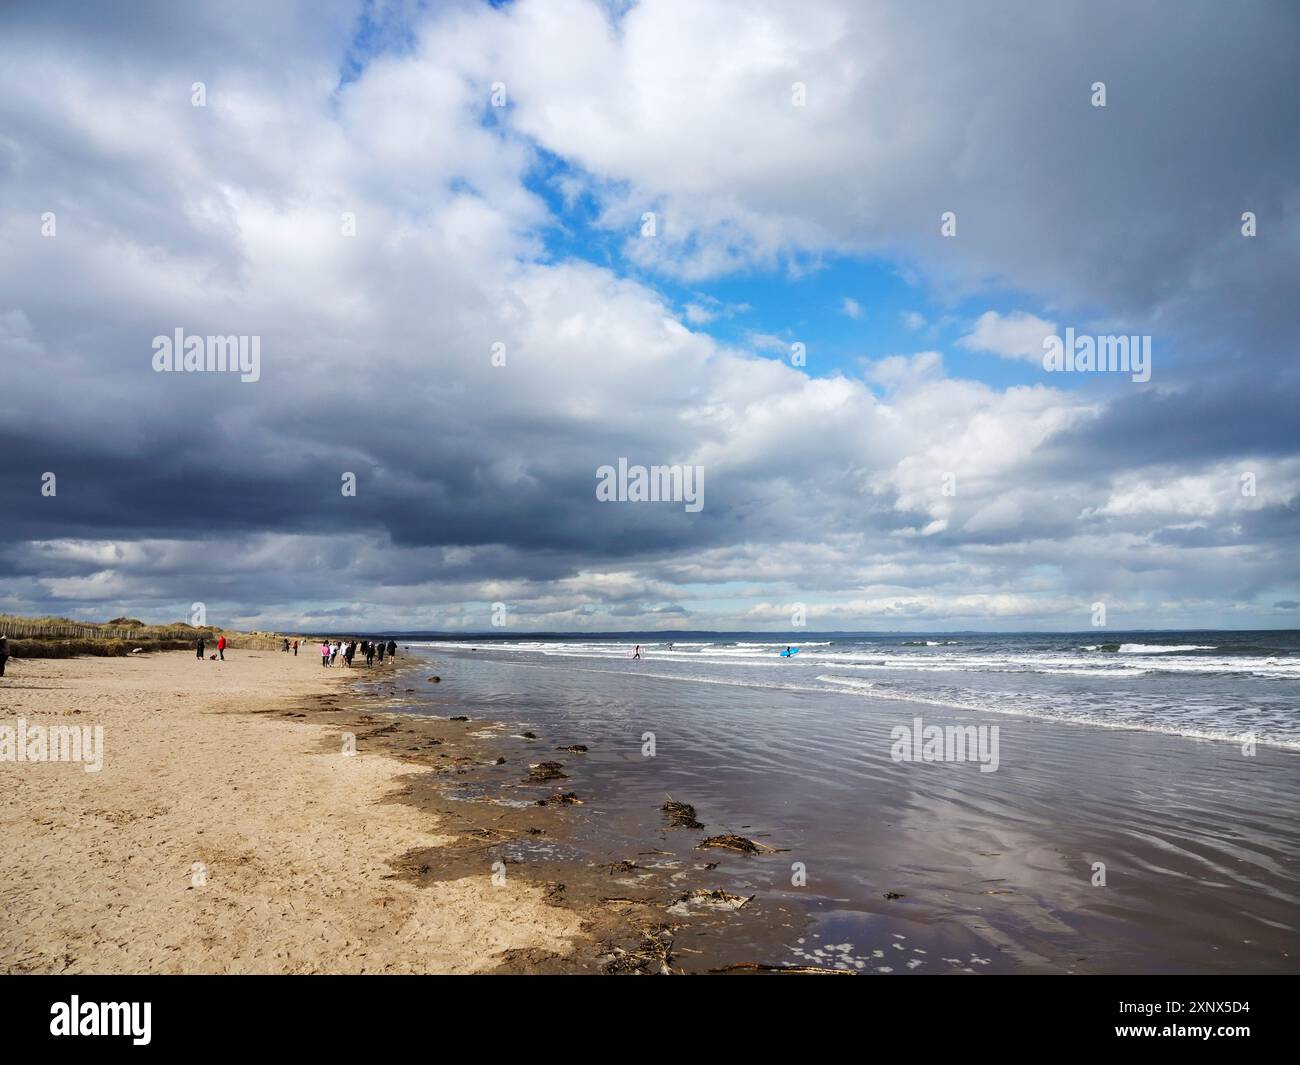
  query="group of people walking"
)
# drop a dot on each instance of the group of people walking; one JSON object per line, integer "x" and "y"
{"x": 331, "y": 652}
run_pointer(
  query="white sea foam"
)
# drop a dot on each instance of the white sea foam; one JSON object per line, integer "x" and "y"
{"x": 1161, "y": 648}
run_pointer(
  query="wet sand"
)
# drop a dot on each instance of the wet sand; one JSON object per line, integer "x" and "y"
{"x": 1089, "y": 850}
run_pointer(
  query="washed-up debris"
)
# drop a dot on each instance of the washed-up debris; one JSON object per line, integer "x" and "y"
{"x": 802, "y": 970}
{"x": 653, "y": 955}
{"x": 716, "y": 897}
{"x": 434, "y": 680}
{"x": 680, "y": 814}
{"x": 460, "y": 717}
{"x": 530, "y": 735}
{"x": 576, "y": 748}
{"x": 540, "y": 772}
{"x": 893, "y": 895}
{"x": 499, "y": 761}
{"x": 615, "y": 868}
{"x": 569, "y": 798}
{"x": 732, "y": 842}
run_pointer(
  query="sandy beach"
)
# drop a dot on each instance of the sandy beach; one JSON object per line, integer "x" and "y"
{"x": 295, "y": 842}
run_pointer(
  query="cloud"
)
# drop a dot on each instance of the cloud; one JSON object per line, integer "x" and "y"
{"x": 473, "y": 372}
{"x": 1017, "y": 335}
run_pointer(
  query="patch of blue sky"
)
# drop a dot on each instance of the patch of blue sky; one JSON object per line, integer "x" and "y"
{"x": 382, "y": 27}
{"x": 845, "y": 309}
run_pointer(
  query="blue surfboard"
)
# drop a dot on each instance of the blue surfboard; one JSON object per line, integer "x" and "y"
{"x": 790, "y": 653}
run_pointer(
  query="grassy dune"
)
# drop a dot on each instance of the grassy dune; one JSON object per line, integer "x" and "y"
{"x": 51, "y": 637}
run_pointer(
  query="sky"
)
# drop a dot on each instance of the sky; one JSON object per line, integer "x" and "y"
{"x": 811, "y": 251}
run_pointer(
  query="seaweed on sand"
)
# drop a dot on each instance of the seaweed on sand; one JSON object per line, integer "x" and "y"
{"x": 795, "y": 970}
{"x": 730, "y": 841}
{"x": 569, "y": 798}
{"x": 540, "y": 772}
{"x": 654, "y": 954}
{"x": 716, "y": 896}
{"x": 680, "y": 814}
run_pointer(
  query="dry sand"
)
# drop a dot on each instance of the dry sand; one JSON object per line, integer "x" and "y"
{"x": 297, "y": 841}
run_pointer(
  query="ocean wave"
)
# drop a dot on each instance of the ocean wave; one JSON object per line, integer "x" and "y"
{"x": 1163, "y": 648}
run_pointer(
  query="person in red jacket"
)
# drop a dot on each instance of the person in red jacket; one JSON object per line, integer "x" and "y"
{"x": 221, "y": 648}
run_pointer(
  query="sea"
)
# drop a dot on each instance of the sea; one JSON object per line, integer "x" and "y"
{"x": 1198, "y": 684}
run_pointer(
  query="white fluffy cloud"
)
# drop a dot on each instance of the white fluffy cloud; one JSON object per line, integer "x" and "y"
{"x": 1017, "y": 335}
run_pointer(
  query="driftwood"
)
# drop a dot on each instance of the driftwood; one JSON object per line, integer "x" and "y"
{"x": 574, "y": 748}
